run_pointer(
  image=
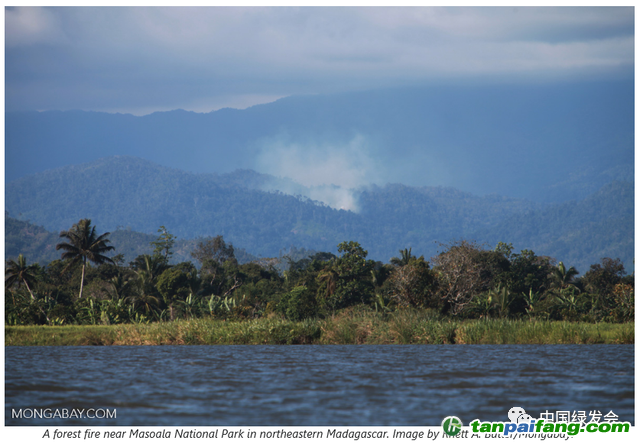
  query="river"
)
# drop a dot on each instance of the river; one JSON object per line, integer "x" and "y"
{"x": 408, "y": 385}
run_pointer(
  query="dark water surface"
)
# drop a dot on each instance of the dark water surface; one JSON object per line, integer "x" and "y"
{"x": 317, "y": 385}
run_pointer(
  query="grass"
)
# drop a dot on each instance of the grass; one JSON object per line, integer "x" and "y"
{"x": 352, "y": 326}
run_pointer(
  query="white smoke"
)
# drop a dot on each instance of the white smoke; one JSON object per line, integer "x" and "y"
{"x": 329, "y": 173}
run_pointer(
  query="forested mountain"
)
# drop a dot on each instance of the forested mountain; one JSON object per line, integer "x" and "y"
{"x": 128, "y": 192}
{"x": 32, "y": 241}
{"x": 600, "y": 226}
{"x": 547, "y": 142}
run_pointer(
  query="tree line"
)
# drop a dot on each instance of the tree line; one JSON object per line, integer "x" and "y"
{"x": 464, "y": 280}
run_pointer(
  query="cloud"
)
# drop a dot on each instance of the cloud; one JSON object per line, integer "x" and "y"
{"x": 31, "y": 26}
{"x": 207, "y": 58}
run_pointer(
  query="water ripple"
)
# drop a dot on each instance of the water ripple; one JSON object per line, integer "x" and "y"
{"x": 317, "y": 385}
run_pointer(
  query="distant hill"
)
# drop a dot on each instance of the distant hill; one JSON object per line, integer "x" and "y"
{"x": 38, "y": 245}
{"x": 128, "y": 192}
{"x": 580, "y": 233}
{"x": 547, "y": 142}
{"x": 34, "y": 241}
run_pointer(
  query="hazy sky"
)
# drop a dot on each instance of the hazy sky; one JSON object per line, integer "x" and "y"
{"x": 140, "y": 60}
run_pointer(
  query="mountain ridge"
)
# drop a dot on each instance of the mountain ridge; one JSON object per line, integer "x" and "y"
{"x": 126, "y": 191}
{"x": 544, "y": 142}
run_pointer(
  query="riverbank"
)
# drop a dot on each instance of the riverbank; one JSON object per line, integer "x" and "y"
{"x": 348, "y": 328}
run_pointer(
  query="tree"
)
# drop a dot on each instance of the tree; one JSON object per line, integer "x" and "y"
{"x": 213, "y": 248}
{"x": 602, "y": 278}
{"x": 328, "y": 276}
{"x": 298, "y": 304}
{"x": 212, "y": 253}
{"x": 405, "y": 258}
{"x": 118, "y": 285}
{"x": 153, "y": 265}
{"x": 528, "y": 271}
{"x": 172, "y": 284}
{"x": 410, "y": 284}
{"x": 462, "y": 274}
{"x": 20, "y": 272}
{"x": 164, "y": 244}
{"x": 144, "y": 295}
{"x": 353, "y": 284}
{"x": 561, "y": 277}
{"x": 84, "y": 245}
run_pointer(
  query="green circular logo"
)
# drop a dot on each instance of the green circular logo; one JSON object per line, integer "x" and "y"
{"x": 452, "y": 425}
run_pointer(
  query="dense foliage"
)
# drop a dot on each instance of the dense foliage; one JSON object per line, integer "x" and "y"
{"x": 464, "y": 280}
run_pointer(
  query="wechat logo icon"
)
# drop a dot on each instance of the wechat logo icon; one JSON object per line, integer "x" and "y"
{"x": 517, "y": 415}
{"x": 452, "y": 425}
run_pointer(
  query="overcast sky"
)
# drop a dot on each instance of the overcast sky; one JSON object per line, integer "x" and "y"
{"x": 140, "y": 60}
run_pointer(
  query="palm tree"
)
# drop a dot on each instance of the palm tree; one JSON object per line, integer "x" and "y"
{"x": 405, "y": 258}
{"x": 153, "y": 266}
{"x": 329, "y": 275}
{"x": 563, "y": 277}
{"x": 20, "y": 272}
{"x": 118, "y": 286}
{"x": 143, "y": 295}
{"x": 84, "y": 245}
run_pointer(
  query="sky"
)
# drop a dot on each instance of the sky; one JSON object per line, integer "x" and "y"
{"x": 144, "y": 59}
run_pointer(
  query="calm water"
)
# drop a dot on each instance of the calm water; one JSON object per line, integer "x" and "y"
{"x": 317, "y": 385}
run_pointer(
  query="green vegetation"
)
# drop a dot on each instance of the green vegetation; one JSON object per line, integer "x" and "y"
{"x": 84, "y": 245}
{"x": 129, "y": 193}
{"x": 465, "y": 294}
{"x": 356, "y": 326}
{"x": 38, "y": 245}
